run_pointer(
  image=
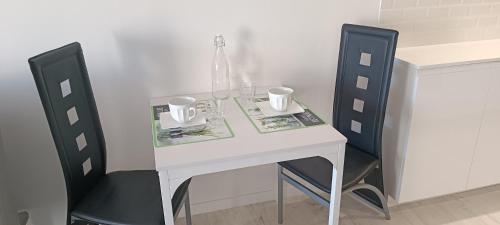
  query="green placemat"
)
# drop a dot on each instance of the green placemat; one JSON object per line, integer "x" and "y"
{"x": 277, "y": 123}
{"x": 187, "y": 135}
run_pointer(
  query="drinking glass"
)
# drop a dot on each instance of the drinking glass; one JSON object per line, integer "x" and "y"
{"x": 247, "y": 92}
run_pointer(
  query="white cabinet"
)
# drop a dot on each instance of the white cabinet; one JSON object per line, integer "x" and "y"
{"x": 485, "y": 168}
{"x": 442, "y": 119}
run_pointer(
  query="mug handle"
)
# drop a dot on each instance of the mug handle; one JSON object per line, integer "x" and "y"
{"x": 193, "y": 110}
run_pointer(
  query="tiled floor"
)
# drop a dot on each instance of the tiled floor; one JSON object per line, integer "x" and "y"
{"x": 478, "y": 207}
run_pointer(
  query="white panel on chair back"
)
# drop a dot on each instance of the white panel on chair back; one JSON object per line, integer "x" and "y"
{"x": 136, "y": 50}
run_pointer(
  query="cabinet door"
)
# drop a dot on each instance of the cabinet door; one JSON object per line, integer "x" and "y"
{"x": 445, "y": 122}
{"x": 486, "y": 162}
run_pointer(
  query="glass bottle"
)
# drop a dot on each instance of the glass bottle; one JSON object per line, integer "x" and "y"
{"x": 220, "y": 76}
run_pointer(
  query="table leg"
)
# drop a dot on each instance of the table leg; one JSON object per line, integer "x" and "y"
{"x": 336, "y": 191}
{"x": 280, "y": 194}
{"x": 165, "y": 197}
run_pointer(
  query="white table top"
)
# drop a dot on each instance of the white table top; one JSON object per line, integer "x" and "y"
{"x": 247, "y": 141}
{"x": 452, "y": 54}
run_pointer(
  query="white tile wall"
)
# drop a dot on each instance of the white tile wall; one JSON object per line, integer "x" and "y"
{"x": 422, "y": 22}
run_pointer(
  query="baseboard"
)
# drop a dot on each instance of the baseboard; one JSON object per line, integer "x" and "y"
{"x": 292, "y": 195}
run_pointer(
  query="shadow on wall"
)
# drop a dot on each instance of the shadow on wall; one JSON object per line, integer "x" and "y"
{"x": 246, "y": 64}
{"x": 153, "y": 63}
{"x": 39, "y": 182}
{"x": 151, "y": 58}
{"x": 147, "y": 66}
{"x": 7, "y": 206}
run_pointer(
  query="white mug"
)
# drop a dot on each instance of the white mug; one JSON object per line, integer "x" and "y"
{"x": 280, "y": 98}
{"x": 182, "y": 109}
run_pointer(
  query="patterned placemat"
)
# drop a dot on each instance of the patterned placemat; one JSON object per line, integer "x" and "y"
{"x": 265, "y": 124}
{"x": 176, "y": 136}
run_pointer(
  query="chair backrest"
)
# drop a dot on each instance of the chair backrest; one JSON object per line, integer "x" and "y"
{"x": 64, "y": 87}
{"x": 363, "y": 79}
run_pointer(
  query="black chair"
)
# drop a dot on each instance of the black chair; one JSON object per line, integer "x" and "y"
{"x": 117, "y": 198}
{"x": 363, "y": 79}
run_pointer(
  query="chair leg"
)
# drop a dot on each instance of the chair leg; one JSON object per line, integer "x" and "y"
{"x": 77, "y": 221}
{"x": 383, "y": 200}
{"x": 187, "y": 208}
{"x": 280, "y": 194}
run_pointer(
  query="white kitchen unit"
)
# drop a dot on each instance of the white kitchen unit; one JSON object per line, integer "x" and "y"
{"x": 443, "y": 120}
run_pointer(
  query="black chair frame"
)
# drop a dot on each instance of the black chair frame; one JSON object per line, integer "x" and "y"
{"x": 368, "y": 188}
{"x": 51, "y": 70}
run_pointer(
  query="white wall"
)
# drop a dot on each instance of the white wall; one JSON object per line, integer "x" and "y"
{"x": 8, "y": 215}
{"x": 140, "y": 49}
{"x": 423, "y": 22}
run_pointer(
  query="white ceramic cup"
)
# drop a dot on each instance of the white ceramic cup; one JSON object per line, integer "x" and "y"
{"x": 182, "y": 109}
{"x": 280, "y": 98}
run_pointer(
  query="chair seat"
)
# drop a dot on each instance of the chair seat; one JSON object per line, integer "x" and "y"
{"x": 318, "y": 170}
{"x": 127, "y": 198}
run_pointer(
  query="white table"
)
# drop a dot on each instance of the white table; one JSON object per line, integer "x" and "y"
{"x": 248, "y": 147}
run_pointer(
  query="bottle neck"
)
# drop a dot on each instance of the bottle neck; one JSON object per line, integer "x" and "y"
{"x": 219, "y": 50}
